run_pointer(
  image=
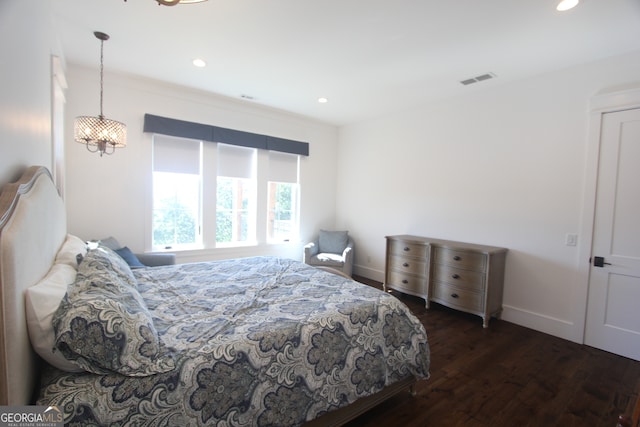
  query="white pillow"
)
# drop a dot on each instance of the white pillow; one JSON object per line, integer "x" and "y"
{"x": 69, "y": 251}
{"x": 41, "y": 302}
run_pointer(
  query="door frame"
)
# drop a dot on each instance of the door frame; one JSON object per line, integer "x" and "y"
{"x": 599, "y": 104}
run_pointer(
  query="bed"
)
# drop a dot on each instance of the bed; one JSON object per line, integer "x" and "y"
{"x": 241, "y": 342}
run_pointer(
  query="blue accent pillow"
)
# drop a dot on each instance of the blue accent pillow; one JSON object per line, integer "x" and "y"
{"x": 333, "y": 242}
{"x": 129, "y": 257}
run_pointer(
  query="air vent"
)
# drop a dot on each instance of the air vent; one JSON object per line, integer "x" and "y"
{"x": 477, "y": 79}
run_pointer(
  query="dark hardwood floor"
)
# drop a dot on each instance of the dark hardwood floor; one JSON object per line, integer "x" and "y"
{"x": 507, "y": 375}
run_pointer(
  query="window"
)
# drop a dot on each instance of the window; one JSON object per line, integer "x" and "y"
{"x": 233, "y": 210}
{"x": 282, "y": 204}
{"x": 176, "y": 193}
{"x": 208, "y": 194}
{"x": 235, "y": 195}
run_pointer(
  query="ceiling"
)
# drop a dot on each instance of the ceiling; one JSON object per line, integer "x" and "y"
{"x": 367, "y": 57}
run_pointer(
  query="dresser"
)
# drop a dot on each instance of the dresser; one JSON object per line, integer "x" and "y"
{"x": 463, "y": 276}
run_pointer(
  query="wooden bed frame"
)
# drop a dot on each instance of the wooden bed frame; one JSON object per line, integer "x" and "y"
{"x": 33, "y": 227}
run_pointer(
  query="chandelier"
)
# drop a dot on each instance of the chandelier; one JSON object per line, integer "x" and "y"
{"x": 100, "y": 134}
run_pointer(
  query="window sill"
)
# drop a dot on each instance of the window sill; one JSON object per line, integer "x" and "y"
{"x": 281, "y": 249}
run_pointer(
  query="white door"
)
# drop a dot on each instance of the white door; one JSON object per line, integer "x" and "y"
{"x": 613, "y": 311}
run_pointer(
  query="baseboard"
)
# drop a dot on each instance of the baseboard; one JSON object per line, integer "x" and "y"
{"x": 368, "y": 272}
{"x": 560, "y": 328}
{"x": 540, "y": 322}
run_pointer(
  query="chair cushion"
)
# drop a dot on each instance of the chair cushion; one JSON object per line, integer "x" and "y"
{"x": 330, "y": 260}
{"x": 332, "y": 242}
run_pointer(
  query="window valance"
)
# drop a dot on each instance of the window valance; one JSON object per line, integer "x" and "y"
{"x": 184, "y": 129}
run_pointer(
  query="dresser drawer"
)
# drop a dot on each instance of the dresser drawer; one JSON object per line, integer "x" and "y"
{"x": 408, "y": 265}
{"x": 467, "y": 279}
{"x": 415, "y": 285}
{"x": 461, "y": 259}
{"x": 458, "y": 298}
{"x": 402, "y": 248}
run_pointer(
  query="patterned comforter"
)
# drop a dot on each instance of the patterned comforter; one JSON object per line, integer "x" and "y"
{"x": 256, "y": 341}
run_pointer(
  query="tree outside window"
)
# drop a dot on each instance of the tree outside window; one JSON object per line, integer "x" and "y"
{"x": 175, "y": 210}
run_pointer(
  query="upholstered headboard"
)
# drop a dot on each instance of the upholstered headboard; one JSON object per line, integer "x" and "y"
{"x": 33, "y": 227}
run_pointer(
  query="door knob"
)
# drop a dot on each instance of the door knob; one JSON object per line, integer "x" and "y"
{"x": 598, "y": 261}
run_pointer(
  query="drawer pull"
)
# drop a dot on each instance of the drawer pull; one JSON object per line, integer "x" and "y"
{"x": 455, "y": 276}
{"x": 406, "y": 264}
{"x": 454, "y": 295}
{"x": 405, "y": 281}
{"x": 407, "y": 249}
{"x": 457, "y": 258}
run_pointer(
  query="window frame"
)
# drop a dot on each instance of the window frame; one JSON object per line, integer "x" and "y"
{"x": 258, "y": 220}
{"x": 186, "y": 171}
{"x": 250, "y": 212}
{"x": 271, "y": 210}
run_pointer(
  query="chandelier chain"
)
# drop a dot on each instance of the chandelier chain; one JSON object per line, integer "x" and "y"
{"x": 101, "y": 73}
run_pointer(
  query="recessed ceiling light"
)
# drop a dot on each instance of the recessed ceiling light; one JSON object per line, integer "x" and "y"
{"x": 567, "y": 4}
{"x": 199, "y": 63}
{"x": 323, "y": 100}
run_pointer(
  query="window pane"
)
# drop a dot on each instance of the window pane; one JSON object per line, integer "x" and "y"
{"x": 176, "y": 210}
{"x": 282, "y": 215}
{"x": 234, "y": 210}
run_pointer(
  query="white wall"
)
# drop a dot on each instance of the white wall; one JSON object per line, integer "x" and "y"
{"x": 503, "y": 166}
{"x": 109, "y": 195}
{"x": 25, "y": 102}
